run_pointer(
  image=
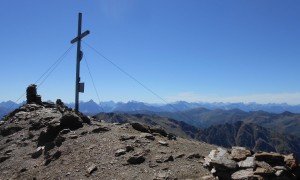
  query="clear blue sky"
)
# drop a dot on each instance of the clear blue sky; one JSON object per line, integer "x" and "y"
{"x": 193, "y": 50}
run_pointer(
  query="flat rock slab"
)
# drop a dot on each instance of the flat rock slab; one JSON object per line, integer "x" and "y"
{"x": 264, "y": 165}
{"x": 240, "y": 153}
{"x": 274, "y": 159}
{"x": 243, "y": 174}
{"x": 249, "y": 162}
{"x": 220, "y": 159}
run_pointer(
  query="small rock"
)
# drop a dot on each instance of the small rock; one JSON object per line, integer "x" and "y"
{"x": 73, "y": 136}
{"x": 100, "y": 129}
{"x": 136, "y": 159}
{"x": 92, "y": 146}
{"x": 290, "y": 161}
{"x": 163, "y": 143}
{"x": 162, "y": 159}
{"x": 3, "y": 158}
{"x": 8, "y": 152}
{"x": 83, "y": 133}
{"x": 129, "y": 148}
{"x": 91, "y": 169}
{"x": 170, "y": 158}
{"x": 152, "y": 165}
{"x": 161, "y": 176}
{"x": 139, "y": 127}
{"x": 210, "y": 177}
{"x": 117, "y": 124}
{"x": 65, "y": 131}
{"x": 38, "y": 152}
{"x": 125, "y": 138}
{"x": 195, "y": 155}
{"x": 213, "y": 171}
{"x": 120, "y": 152}
{"x": 279, "y": 172}
{"x": 147, "y": 136}
{"x": 179, "y": 156}
{"x": 23, "y": 170}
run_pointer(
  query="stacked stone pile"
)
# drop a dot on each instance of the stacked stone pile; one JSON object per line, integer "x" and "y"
{"x": 31, "y": 95}
{"x": 239, "y": 163}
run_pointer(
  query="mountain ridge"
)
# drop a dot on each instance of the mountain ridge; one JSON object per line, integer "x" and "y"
{"x": 110, "y": 106}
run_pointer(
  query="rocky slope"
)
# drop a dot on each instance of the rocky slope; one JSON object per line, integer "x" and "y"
{"x": 179, "y": 128}
{"x": 50, "y": 141}
{"x": 245, "y": 134}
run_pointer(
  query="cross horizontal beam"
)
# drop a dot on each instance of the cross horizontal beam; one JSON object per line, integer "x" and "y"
{"x": 80, "y": 37}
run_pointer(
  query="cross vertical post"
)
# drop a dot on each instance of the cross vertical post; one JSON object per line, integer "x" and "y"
{"x": 79, "y": 87}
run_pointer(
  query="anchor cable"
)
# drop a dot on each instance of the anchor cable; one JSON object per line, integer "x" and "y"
{"x": 93, "y": 82}
{"x": 126, "y": 73}
{"x": 54, "y": 66}
{"x": 139, "y": 82}
{"x": 51, "y": 69}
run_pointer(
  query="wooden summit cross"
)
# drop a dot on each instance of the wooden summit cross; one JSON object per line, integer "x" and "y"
{"x": 79, "y": 87}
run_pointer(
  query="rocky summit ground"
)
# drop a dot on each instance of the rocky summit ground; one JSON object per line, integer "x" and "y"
{"x": 50, "y": 141}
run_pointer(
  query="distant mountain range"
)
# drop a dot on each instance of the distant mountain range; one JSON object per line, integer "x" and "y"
{"x": 91, "y": 107}
{"x": 111, "y": 106}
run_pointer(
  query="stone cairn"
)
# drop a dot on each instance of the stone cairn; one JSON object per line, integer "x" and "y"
{"x": 239, "y": 163}
{"x": 31, "y": 95}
